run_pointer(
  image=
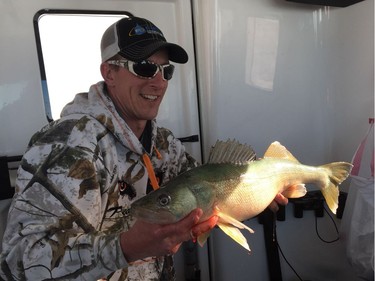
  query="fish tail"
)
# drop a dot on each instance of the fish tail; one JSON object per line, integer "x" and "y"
{"x": 337, "y": 173}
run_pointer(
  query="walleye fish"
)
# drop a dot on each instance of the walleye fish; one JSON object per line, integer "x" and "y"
{"x": 236, "y": 187}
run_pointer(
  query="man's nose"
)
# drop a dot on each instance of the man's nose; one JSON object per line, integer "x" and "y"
{"x": 159, "y": 80}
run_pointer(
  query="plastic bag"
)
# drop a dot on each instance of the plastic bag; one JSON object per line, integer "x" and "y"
{"x": 357, "y": 225}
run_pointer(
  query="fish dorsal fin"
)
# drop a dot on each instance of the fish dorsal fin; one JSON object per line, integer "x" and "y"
{"x": 277, "y": 150}
{"x": 231, "y": 151}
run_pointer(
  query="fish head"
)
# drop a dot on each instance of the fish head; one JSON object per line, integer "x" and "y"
{"x": 165, "y": 205}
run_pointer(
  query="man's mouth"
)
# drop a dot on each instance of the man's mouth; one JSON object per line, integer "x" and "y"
{"x": 150, "y": 97}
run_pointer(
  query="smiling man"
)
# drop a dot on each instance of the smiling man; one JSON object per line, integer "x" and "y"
{"x": 137, "y": 100}
{"x": 70, "y": 216}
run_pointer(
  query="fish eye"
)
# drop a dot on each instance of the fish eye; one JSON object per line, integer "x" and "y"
{"x": 164, "y": 200}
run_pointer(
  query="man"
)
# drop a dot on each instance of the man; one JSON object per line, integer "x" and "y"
{"x": 69, "y": 219}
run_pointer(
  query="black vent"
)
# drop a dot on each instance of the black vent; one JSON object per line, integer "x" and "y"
{"x": 334, "y": 3}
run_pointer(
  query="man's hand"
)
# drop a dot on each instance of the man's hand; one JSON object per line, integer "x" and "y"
{"x": 279, "y": 200}
{"x": 204, "y": 226}
{"x": 148, "y": 240}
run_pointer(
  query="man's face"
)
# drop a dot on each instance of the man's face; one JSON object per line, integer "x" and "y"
{"x": 136, "y": 98}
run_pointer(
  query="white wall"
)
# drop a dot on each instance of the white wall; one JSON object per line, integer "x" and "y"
{"x": 320, "y": 79}
{"x": 323, "y": 84}
{"x": 352, "y": 68}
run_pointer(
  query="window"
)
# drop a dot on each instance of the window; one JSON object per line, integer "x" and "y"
{"x": 261, "y": 53}
{"x": 69, "y": 53}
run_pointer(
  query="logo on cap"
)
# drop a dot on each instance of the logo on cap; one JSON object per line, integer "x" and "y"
{"x": 140, "y": 30}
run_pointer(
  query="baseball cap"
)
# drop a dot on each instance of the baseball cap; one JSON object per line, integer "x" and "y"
{"x": 136, "y": 39}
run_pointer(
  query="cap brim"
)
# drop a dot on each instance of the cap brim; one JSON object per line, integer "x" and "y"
{"x": 138, "y": 52}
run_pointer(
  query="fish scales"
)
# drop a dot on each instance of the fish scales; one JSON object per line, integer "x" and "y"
{"x": 226, "y": 183}
{"x": 217, "y": 180}
{"x": 253, "y": 191}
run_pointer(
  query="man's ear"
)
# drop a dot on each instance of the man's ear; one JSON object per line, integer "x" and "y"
{"x": 107, "y": 73}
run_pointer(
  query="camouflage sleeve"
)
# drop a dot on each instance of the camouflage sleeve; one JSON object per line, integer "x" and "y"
{"x": 54, "y": 224}
{"x": 175, "y": 159}
{"x": 187, "y": 161}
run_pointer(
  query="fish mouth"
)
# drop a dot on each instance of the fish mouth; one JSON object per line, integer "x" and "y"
{"x": 153, "y": 216}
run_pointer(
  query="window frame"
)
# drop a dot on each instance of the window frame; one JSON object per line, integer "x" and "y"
{"x": 37, "y": 16}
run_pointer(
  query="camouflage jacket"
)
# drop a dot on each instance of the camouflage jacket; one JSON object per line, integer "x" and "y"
{"x": 74, "y": 187}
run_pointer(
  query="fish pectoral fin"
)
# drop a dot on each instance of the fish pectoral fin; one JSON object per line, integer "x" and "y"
{"x": 235, "y": 234}
{"x": 225, "y": 219}
{"x": 295, "y": 191}
{"x": 203, "y": 238}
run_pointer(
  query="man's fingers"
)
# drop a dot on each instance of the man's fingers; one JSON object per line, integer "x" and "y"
{"x": 273, "y": 206}
{"x": 203, "y": 227}
{"x": 180, "y": 231}
{"x": 281, "y": 199}
{"x": 190, "y": 220}
{"x": 278, "y": 200}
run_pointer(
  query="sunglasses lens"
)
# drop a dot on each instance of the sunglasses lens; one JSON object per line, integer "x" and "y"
{"x": 168, "y": 72}
{"x": 148, "y": 69}
{"x": 145, "y": 69}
